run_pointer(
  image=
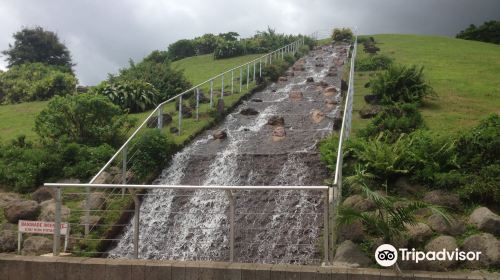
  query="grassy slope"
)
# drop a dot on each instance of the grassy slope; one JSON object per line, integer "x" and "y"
{"x": 464, "y": 74}
{"x": 20, "y": 118}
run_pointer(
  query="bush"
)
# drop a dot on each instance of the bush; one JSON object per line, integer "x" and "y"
{"x": 82, "y": 161}
{"x": 181, "y": 49}
{"x": 273, "y": 71}
{"x": 134, "y": 96}
{"x": 328, "y": 151}
{"x": 205, "y": 44}
{"x": 487, "y": 32}
{"x": 342, "y": 34}
{"x": 86, "y": 119}
{"x": 374, "y": 63}
{"x": 393, "y": 121}
{"x": 401, "y": 84}
{"x": 152, "y": 152}
{"x": 226, "y": 49}
{"x": 35, "y": 81}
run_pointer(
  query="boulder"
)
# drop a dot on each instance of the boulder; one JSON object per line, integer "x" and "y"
{"x": 439, "y": 224}
{"x": 8, "y": 240}
{"x": 21, "y": 210}
{"x": 351, "y": 255}
{"x": 276, "y": 120}
{"x": 484, "y": 219}
{"x": 343, "y": 85}
{"x": 249, "y": 112}
{"x": 489, "y": 247}
{"x": 317, "y": 116}
{"x": 323, "y": 84}
{"x": 371, "y": 99}
{"x": 310, "y": 80}
{"x": 43, "y": 194}
{"x": 289, "y": 73}
{"x": 6, "y": 198}
{"x": 330, "y": 91}
{"x": 36, "y": 245}
{"x": 330, "y": 103}
{"x": 369, "y": 112}
{"x": 153, "y": 122}
{"x": 295, "y": 95}
{"x": 282, "y": 79}
{"x": 418, "y": 232}
{"x": 443, "y": 198}
{"x": 353, "y": 231}
{"x": 405, "y": 188}
{"x": 256, "y": 100}
{"x": 319, "y": 65}
{"x": 220, "y": 106}
{"x": 220, "y": 134}
{"x": 448, "y": 243}
{"x": 48, "y": 211}
{"x": 174, "y": 130}
{"x": 279, "y": 133}
{"x": 97, "y": 201}
{"x": 359, "y": 203}
{"x": 104, "y": 178}
{"x": 92, "y": 221}
{"x": 187, "y": 112}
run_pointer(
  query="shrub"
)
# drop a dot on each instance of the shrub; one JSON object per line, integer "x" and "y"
{"x": 394, "y": 120}
{"x": 374, "y": 63}
{"x": 181, "y": 49}
{"x": 489, "y": 32}
{"x": 273, "y": 71}
{"x": 134, "y": 96}
{"x": 401, "y": 84}
{"x": 328, "y": 151}
{"x": 226, "y": 49}
{"x": 35, "y": 81}
{"x": 152, "y": 152}
{"x": 84, "y": 119}
{"x": 205, "y": 44}
{"x": 342, "y": 34}
{"x": 82, "y": 161}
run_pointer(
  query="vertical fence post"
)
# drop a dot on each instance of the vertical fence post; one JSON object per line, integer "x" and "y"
{"x": 87, "y": 211}
{"x": 241, "y": 78}
{"x": 254, "y": 70}
{"x": 197, "y": 104}
{"x": 180, "y": 115}
{"x": 232, "y": 81}
{"x": 211, "y": 93}
{"x": 124, "y": 168}
{"x": 160, "y": 117}
{"x": 270, "y": 58}
{"x": 326, "y": 225}
{"x": 56, "y": 246}
{"x": 260, "y": 67}
{"x": 231, "y": 226}
{"x": 137, "y": 207}
{"x": 222, "y": 87}
{"x": 248, "y": 74}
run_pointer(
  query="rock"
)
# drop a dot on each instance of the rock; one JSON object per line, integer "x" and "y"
{"x": 330, "y": 91}
{"x": 104, "y": 178}
{"x": 405, "y": 188}
{"x": 442, "y": 198}
{"x": 282, "y": 79}
{"x": 343, "y": 85}
{"x": 8, "y": 226}
{"x": 43, "y": 194}
{"x": 485, "y": 220}
{"x": 369, "y": 112}
{"x": 418, "y": 232}
{"x": 97, "y": 201}
{"x": 174, "y": 130}
{"x": 6, "y": 198}
{"x": 153, "y": 122}
{"x": 489, "y": 247}
{"x": 48, "y": 211}
{"x": 359, "y": 203}
{"x": 289, "y": 73}
{"x": 21, "y": 210}
{"x": 220, "y": 134}
{"x": 256, "y": 100}
{"x": 295, "y": 95}
{"x": 437, "y": 244}
{"x": 337, "y": 123}
{"x": 350, "y": 253}
{"x": 276, "y": 120}
{"x": 36, "y": 245}
{"x": 310, "y": 80}
{"x": 92, "y": 221}
{"x": 249, "y": 112}
{"x": 439, "y": 224}
{"x": 279, "y": 133}
{"x": 353, "y": 231}
{"x": 187, "y": 112}
{"x": 319, "y": 65}
{"x": 323, "y": 84}
{"x": 371, "y": 99}
{"x": 8, "y": 240}
{"x": 220, "y": 106}
{"x": 330, "y": 103}
{"x": 317, "y": 116}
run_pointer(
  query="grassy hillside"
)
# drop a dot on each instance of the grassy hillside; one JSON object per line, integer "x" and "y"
{"x": 464, "y": 74}
{"x": 20, "y": 118}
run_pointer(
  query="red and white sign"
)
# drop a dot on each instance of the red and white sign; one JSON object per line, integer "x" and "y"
{"x": 41, "y": 227}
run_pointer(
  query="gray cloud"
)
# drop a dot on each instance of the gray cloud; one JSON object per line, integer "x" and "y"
{"x": 103, "y": 35}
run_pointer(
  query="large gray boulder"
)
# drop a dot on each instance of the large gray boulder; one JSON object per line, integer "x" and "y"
{"x": 349, "y": 254}
{"x": 97, "y": 201}
{"x": 36, "y": 245}
{"x": 489, "y": 247}
{"x": 442, "y": 198}
{"x": 6, "y": 198}
{"x": 359, "y": 203}
{"x": 354, "y": 231}
{"x": 437, "y": 244}
{"x": 418, "y": 232}
{"x": 43, "y": 194}
{"x": 453, "y": 227}
{"x": 485, "y": 220}
{"x": 8, "y": 240}
{"x": 104, "y": 178}
{"x": 21, "y": 210}
{"x": 48, "y": 212}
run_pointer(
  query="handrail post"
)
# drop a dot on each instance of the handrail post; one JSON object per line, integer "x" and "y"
{"x": 137, "y": 207}
{"x": 87, "y": 211}
{"x": 197, "y": 104}
{"x": 241, "y": 78}
{"x": 56, "y": 248}
{"x": 260, "y": 68}
{"x": 248, "y": 74}
{"x": 254, "y": 71}
{"x": 124, "y": 168}
{"x": 326, "y": 225}
{"x": 222, "y": 87}
{"x": 232, "y": 81}
{"x": 211, "y": 93}
{"x": 231, "y": 225}
{"x": 160, "y": 117}
{"x": 180, "y": 115}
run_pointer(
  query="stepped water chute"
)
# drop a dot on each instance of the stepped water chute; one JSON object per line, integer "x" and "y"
{"x": 271, "y": 226}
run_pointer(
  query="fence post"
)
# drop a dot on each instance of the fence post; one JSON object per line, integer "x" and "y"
{"x": 241, "y": 78}
{"x": 180, "y": 115}
{"x": 56, "y": 249}
{"x": 232, "y": 81}
{"x": 160, "y": 117}
{"x": 248, "y": 74}
{"x": 124, "y": 168}
{"x": 231, "y": 225}
{"x": 137, "y": 207}
{"x": 87, "y": 211}
{"x": 326, "y": 229}
{"x": 222, "y": 87}
{"x": 211, "y": 93}
{"x": 260, "y": 68}
{"x": 197, "y": 104}
{"x": 254, "y": 71}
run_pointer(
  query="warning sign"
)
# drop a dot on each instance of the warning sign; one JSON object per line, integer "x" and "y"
{"x": 41, "y": 227}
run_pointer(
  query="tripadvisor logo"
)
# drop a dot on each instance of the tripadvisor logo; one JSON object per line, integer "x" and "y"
{"x": 387, "y": 255}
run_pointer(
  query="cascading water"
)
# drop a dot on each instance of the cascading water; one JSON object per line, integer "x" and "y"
{"x": 272, "y": 226}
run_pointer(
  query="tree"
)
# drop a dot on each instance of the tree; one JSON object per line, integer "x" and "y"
{"x": 135, "y": 96}
{"x": 205, "y": 44}
{"x": 38, "y": 45}
{"x": 181, "y": 49}
{"x": 229, "y": 36}
{"x": 86, "y": 119}
{"x": 487, "y": 32}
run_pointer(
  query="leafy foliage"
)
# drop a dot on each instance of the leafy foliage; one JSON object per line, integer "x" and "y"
{"x": 34, "y": 81}
{"x": 226, "y": 49}
{"x": 152, "y": 152}
{"x": 84, "y": 119}
{"x": 342, "y": 34}
{"x": 181, "y": 49}
{"x": 328, "y": 151}
{"x": 205, "y": 44}
{"x": 38, "y": 45}
{"x": 273, "y": 71}
{"x": 374, "y": 63}
{"x": 400, "y": 83}
{"x": 134, "y": 96}
{"x": 488, "y": 32}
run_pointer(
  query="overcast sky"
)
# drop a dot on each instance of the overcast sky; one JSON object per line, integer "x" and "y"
{"x": 103, "y": 34}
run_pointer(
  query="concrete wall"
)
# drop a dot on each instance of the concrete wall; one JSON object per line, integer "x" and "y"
{"x": 13, "y": 267}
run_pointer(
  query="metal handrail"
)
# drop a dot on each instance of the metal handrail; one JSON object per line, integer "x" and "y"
{"x": 186, "y": 187}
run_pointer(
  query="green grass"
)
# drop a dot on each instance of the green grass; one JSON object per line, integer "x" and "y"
{"x": 463, "y": 73}
{"x": 19, "y": 119}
